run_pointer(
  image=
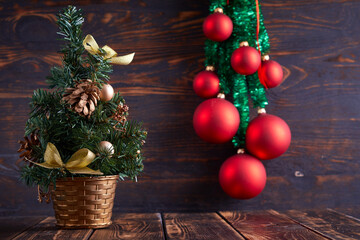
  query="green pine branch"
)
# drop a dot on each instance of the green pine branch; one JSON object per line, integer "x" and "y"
{"x": 77, "y": 64}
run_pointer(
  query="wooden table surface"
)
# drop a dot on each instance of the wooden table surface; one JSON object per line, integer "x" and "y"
{"x": 269, "y": 224}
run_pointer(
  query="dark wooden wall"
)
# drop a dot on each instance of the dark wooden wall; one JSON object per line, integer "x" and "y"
{"x": 317, "y": 42}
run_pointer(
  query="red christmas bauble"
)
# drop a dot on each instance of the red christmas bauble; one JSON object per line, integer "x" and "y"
{"x": 242, "y": 176}
{"x": 267, "y": 137}
{"x": 245, "y": 60}
{"x": 216, "y": 120}
{"x": 270, "y": 74}
{"x": 206, "y": 84}
{"x": 217, "y": 27}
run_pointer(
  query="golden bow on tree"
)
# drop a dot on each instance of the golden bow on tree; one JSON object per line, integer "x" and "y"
{"x": 77, "y": 163}
{"x": 92, "y": 47}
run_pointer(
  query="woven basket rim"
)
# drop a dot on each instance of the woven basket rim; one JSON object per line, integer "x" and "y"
{"x": 90, "y": 178}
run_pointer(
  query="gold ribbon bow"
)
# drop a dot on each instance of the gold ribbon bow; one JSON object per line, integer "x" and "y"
{"x": 77, "y": 164}
{"x": 92, "y": 47}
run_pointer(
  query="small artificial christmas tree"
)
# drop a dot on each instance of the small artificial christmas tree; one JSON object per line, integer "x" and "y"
{"x": 80, "y": 127}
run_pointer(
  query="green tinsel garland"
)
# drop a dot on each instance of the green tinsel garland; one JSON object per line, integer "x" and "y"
{"x": 218, "y": 54}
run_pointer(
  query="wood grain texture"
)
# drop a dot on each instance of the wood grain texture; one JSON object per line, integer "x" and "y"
{"x": 315, "y": 41}
{"x": 258, "y": 225}
{"x": 351, "y": 212}
{"x": 198, "y": 226}
{"x": 132, "y": 226}
{"x": 267, "y": 225}
{"x": 186, "y": 193}
{"x": 13, "y": 226}
{"x": 330, "y": 223}
{"x": 46, "y": 230}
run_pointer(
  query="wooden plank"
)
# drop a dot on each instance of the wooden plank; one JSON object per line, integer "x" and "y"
{"x": 132, "y": 226}
{"x": 267, "y": 225}
{"x": 349, "y": 211}
{"x": 198, "y": 226}
{"x": 46, "y": 229}
{"x": 13, "y": 226}
{"x": 329, "y": 223}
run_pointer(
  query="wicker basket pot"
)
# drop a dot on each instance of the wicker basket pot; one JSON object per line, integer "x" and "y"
{"x": 84, "y": 202}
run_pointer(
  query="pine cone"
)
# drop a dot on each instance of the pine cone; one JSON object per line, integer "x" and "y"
{"x": 121, "y": 113}
{"x": 83, "y": 97}
{"x": 26, "y": 148}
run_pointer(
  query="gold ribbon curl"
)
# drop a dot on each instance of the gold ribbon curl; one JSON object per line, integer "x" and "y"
{"x": 77, "y": 164}
{"x": 92, "y": 47}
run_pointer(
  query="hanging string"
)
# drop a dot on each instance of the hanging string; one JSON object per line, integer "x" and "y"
{"x": 257, "y": 37}
{"x": 258, "y": 25}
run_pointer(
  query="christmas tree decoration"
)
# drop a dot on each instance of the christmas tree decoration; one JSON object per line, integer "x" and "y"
{"x": 270, "y": 73}
{"x": 107, "y": 146}
{"x": 242, "y": 73}
{"x": 121, "y": 113}
{"x": 77, "y": 164}
{"x": 216, "y": 120}
{"x": 242, "y": 176}
{"x": 217, "y": 26}
{"x": 267, "y": 136}
{"x": 67, "y": 125}
{"x": 83, "y": 97}
{"x": 26, "y": 148}
{"x": 106, "y": 93}
{"x": 248, "y": 26}
{"x": 206, "y": 84}
{"x": 106, "y": 52}
{"x": 43, "y": 195}
{"x": 245, "y": 60}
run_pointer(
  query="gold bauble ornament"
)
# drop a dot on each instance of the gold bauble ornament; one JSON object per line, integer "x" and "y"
{"x": 107, "y": 92}
{"x": 107, "y": 145}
